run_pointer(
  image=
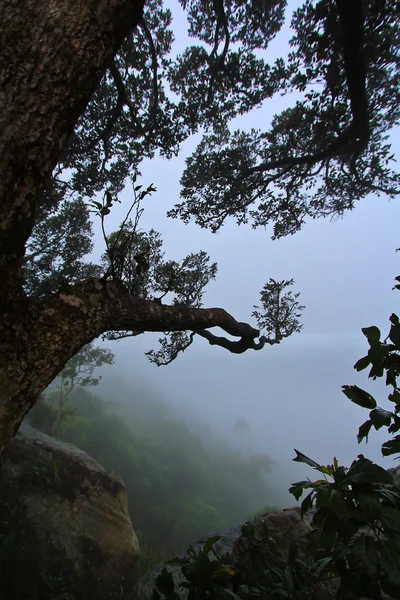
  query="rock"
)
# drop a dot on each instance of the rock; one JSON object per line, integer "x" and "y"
{"x": 64, "y": 522}
{"x": 284, "y": 527}
{"x": 395, "y": 472}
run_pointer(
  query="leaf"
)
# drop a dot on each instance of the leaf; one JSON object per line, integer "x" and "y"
{"x": 394, "y": 319}
{"x": 226, "y": 569}
{"x": 307, "y": 503}
{"x": 392, "y": 361}
{"x": 323, "y": 496}
{"x": 96, "y": 204}
{"x": 364, "y": 430}
{"x": 394, "y": 397}
{"x": 372, "y": 334}
{"x": 363, "y": 557}
{"x": 325, "y": 533}
{"x": 370, "y": 504}
{"x": 368, "y": 472}
{"x": 359, "y": 396}
{"x": 390, "y": 517}
{"x": 391, "y": 446}
{"x": 380, "y": 417}
{"x": 395, "y": 426}
{"x": 390, "y": 564}
{"x": 302, "y": 458}
{"x": 377, "y": 355}
{"x": 389, "y": 495}
{"x": 164, "y": 582}
{"x": 362, "y": 363}
{"x": 394, "y": 334}
{"x": 210, "y": 542}
{"x": 298, "y": 488}
{"x": 339, "y": 505}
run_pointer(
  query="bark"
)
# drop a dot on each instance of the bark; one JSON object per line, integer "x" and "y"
{"x": 53, "y": 55}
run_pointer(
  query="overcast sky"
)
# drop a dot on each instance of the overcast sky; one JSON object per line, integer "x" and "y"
{"x": 290, "y": 394}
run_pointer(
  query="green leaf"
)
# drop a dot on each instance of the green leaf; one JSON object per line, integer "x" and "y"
{"x": 389, "y": 495}
{"x": 339, "y": 505}
{"x": 210, "y": 543}
{"x": 394, "y": 319}
{"x": 298, "y": 488}
{"x": 394, "y": 397}
{"x": 372, "y": 334}
{"x": 359, "y": 396}
{"x": 323, "y": 496}
{"x": 363, "y": 557}
{"x": 96, "y": 204}
{"x": 377, "y": 355}
{"x": 307, "y": 503}
{"x": 380, "y": 417}
{"x": 395, "y": 426}
{"x": 105, "y": 211}
{"x": 370, "y": 504}
{"x": 390, "y": 564}
{"x": 325, "y": 533}
{"x": 392, "y": 361}
{"x": 302, "y": 458}
{"x": 366, "y": 471}
{"x": 390, "y": 517}
{"x": 362, "y": 363}
{"x": 391, "y": 446}
{"x": 364, "y": 430}
{"x": 394, "y": 334}
{"x": 164, "y": 582}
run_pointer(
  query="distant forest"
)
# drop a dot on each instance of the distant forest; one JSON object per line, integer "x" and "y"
{"x": 179, "y": 486}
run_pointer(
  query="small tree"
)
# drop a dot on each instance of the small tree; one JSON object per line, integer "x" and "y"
{"x": 79, "y": 371}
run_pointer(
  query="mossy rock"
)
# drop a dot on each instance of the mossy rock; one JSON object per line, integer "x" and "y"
{"x": 64, "y": 523}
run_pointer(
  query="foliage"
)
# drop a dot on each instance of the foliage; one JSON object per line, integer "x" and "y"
{"x": 356, "y": 524}
{"x": 280, "y": 312}
{"x": 257, "y": 568}
{"x": 59, "y": 242}
{"x": 326, "y": 151}
{"x": 356, "y": 533}
{"x": 78, "y": 371}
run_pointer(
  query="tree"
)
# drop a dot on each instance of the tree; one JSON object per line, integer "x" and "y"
{"x": 85, "y": 97}
{"x": 79, "y": 371}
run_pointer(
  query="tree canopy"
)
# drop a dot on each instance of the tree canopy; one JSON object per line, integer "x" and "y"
{"x": 86, "y": 96}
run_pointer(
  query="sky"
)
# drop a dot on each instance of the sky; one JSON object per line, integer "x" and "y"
{"x": 290, "y": 394}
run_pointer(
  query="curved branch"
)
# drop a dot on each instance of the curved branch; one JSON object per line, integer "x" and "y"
{"x": 237, "y": 347}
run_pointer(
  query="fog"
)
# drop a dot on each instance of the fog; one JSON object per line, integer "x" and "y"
{"x": 289, "y": 394}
